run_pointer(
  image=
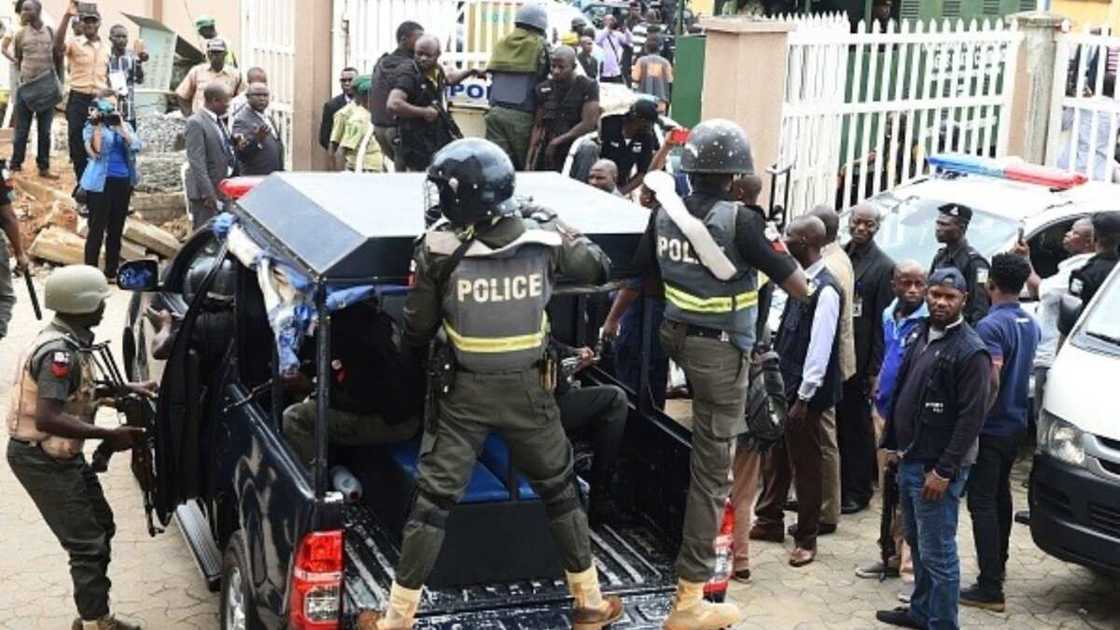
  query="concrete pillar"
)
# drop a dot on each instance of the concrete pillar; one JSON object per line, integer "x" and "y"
{"x": 313, "y": 76}
{"x": 1034, "y": 84}
{"x": 744, "y": 81}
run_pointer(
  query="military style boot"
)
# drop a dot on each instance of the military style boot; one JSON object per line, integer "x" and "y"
{"x": 691, "y": 612}
{"x": 592, "y": 611}
{"x": 108, "y": 622}
{"x": 400, "y": 615}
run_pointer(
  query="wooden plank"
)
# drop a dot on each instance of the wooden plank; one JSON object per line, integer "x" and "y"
{"x": 151, "y": 237}
{"x": 61, "y": 246}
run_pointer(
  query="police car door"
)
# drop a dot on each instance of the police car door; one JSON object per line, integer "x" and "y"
{"x": 181, "y": 413}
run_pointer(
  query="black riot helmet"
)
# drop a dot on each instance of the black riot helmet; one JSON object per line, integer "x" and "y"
{"x": 474, "y": 178}
{"x": 221, "y": 290}
{"x": 719, "y": 147}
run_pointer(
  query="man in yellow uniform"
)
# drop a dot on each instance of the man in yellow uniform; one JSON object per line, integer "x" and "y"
{"x": 353, "y": 145}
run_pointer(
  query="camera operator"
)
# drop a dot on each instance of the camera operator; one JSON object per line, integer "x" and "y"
{"x": 109, "y": 178}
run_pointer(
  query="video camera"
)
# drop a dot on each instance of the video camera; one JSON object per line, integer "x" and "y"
{"x": 104, "y": 111}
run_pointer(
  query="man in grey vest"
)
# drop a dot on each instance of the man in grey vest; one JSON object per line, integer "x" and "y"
{"x": 708, "y": 251}
{"x": 517, "y": 66}
{"x": 483, "y": 278}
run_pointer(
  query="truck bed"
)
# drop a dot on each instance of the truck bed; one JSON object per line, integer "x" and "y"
{"x": 635, "y": 562}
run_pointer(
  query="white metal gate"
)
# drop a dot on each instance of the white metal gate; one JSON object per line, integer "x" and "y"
{"x": 268, "y": 40}
{"x": 467, "y": 29}
{"x": 863, "y": 109}
{"x": 1085, "y": 113}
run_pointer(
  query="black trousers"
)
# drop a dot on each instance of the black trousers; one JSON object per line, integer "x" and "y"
{"x": 855, "y": 435}
{"x": 23, "y": 117}
{"x": 77, "y": 112}
{"x": 602, "y": 411}
{"x": 989, "y": 503}
{"x": 107, "y": 211}
{"x": 71, "y": 501}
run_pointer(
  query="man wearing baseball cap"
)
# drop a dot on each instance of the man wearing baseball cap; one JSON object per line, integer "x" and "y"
{"x": 951, "y": 226}
{"x": 190, "y": 91}
{"x": 630, "y": 143}
{"x": 937, "y": 410}
{"x": 207, "y": 30}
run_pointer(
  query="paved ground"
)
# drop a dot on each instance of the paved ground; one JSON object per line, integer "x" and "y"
{"x": 156, "y": 582}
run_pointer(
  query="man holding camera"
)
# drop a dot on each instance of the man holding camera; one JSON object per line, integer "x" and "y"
{"x": 87, "y": 57}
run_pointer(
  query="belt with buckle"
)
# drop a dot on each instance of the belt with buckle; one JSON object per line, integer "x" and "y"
{"x": 692, "y": 330}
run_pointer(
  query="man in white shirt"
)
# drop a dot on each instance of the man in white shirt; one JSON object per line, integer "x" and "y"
{"x": 1078, "y": 241}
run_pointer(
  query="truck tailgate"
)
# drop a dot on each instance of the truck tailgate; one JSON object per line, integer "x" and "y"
{"x": 635, "y": 562}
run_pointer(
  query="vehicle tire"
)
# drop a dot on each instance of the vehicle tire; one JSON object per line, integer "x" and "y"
{"x": 237, "y": 608}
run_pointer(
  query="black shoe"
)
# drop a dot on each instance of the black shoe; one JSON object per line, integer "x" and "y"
{"x": 898, "y": 617}
{"x": 15, "y": 168}
{"x": 742, "y": 575}
{"x": 823, "y": 529}
{"x": 790, "y": 506}
{"x": 852, "y": 507}
{"x": 977, "y": 597}
{"x": 1023, "y": 517}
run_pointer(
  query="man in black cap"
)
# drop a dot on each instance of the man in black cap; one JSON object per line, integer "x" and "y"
{"x": 936, "y": 413}
{"x": 630, "y": 143}
{"x": 1085, "y": 282}
{"x": 952, "y": 224}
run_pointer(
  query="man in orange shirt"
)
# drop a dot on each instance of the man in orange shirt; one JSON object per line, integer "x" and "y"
{"x": 87, "y": 57}
{"x": 190, "y": 91}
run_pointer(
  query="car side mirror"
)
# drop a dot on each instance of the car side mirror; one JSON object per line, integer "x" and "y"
{"x": 139, "y": 275}
{"x": 1069, "y": 310}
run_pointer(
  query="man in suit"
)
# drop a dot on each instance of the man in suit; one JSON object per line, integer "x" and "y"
{"x": 260, "y": 150}
{"x": 331, "y": 107}
{"x": 210, "y": 154}
{"x": 872, "y": 294}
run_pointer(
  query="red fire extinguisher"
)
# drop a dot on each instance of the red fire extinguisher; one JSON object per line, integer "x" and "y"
{"x": 716, "y": 588}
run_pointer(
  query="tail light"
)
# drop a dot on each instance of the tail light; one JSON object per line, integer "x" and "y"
{"x": 716, "y": 588}
{"x": 317, "y": 582}
{"x": 238, "y": 187}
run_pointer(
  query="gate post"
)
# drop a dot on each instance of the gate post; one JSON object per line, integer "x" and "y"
{"x": 1034, "y": 84}
{"x": 745, "y": 81}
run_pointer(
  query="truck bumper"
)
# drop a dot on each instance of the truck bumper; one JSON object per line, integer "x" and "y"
{"x": 1075, "y": 514}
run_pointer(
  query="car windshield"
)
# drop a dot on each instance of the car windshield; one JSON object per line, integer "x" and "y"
{"x": 906, "y": 231}
{"x": 1103, "y": 322}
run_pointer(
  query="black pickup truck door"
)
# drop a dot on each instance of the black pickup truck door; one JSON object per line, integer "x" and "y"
{"x": 179, "y": 420}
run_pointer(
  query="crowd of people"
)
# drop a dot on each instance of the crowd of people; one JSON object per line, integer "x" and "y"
{"x": 101, "y": 116}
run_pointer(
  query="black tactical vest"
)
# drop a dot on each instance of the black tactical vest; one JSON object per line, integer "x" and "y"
{"x": 793, "y": 344}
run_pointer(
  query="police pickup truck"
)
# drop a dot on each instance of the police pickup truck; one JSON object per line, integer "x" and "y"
{"x": 286, "y": 548}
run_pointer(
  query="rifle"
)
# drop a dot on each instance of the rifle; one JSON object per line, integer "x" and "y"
{"x": 886, "y": 521}
{"x": 137, "y": 411}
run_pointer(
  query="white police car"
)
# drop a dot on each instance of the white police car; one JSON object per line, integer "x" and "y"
{"x": 1006, "y": 196}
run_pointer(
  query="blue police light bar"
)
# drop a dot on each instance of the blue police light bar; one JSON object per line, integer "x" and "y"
{"x": 964, "y": 163}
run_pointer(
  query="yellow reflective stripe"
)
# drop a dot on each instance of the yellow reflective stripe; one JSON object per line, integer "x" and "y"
{"x": 688, "y": 302}
{"x": 497, "y": 344}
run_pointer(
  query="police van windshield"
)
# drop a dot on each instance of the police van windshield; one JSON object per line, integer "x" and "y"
{"x": 1102, "y": 324}
{"x": 906, "y": 230}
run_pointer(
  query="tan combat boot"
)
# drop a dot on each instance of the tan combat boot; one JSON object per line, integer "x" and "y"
{"x": 400, "y": 615}
{"x": 108, "y": 622}
{"x": 691, "y": 612}
{"x": 592, "y": 611}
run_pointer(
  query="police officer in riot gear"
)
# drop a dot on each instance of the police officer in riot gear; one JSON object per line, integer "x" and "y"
{"x": 1086, "y": 281}
{"x": 51, "y": 415}
{"x": 568, "y": 107}
{"x": 708, "y": 252}
{"x": 952, "y": 224}
{"x": 518, "y": 64}
{"x": 483, "y": 279}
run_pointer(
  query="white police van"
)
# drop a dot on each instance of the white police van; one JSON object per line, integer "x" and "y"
{"x": 1075, "y": 481}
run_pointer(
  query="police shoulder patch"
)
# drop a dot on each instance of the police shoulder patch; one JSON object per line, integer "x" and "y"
{"x": 60, "y": 363}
